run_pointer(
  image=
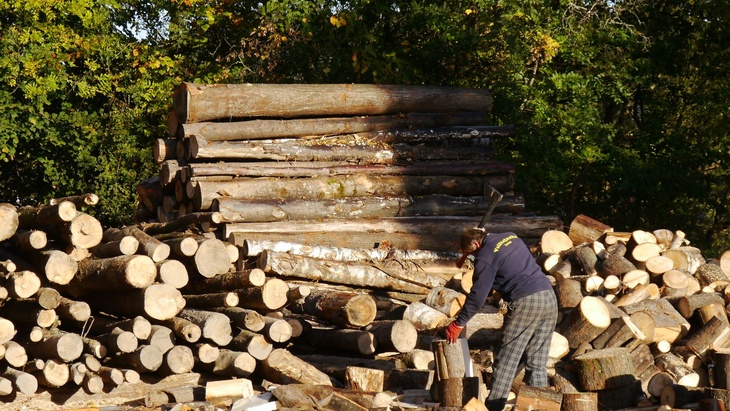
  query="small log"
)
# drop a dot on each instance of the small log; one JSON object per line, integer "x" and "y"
{"x": 568, "y": 293}
{"x": 676, "y": 284}
{"x": 269, "y": 297}
{"x": 277, "y": 330}
{"x": 639, "y": 294}
{"x": 231, "y": 363}
{"x": 161, "y": 337}
{"x": 353, "y": 341}
{"x": 584, "y": 229}
{"x": 210, "y": 259}
{"x": 252, "y": 343}
{"x": 669, "y": 324}
{"x": 615, "y": 265}
{"x": 83, "y": 231}
{"x": 112, "y": 377}
{"x": 284, "y": 368}
{"x": 172, "y": 272}
{"x": 419, "y": 359}
{"x": 23, "y": 382}
{"x": 116, "y": 273}
{"x": 41, "y": 216}
{"x": 555, "y": 242}
{"x": 206, "y": 353}
{"x": 29, "y": 239}
{"x": 177, "y": 360}
{"x": 345, "y": 309}
{"x": 634, "y": 278}
{"x": 424, "y": 317}
{"x": 397, "y": 335}
{"x": 119, "y": 341}
{"x": 588, "y": 321}
{"x": 713, "y": 334}
{"x": 606, "y": 368}
{"x": 23, "y": 312}
{"x": 216, "y": 327}
{"x": 222, "y": 299}
{"x": 539, "y": 398}
{"x": 21, "y": 284}
{"x": 725, "y": 262}
{"x": 145, "y": 359}
{"x": 148, "y": 245}
{"x": 689, "y": 304}
{"x": 158, "y": 301}
{"x": 54, "y": 374}
{"x": 182, "y": 223}
{"x": 642, "y": 358}
{"x": 680, "y": 371}
{"x": 243, "y": 318}
{"x": 445, "y": 300}
{"x": 229, "y": 281}
{"x": 183, "y": 328}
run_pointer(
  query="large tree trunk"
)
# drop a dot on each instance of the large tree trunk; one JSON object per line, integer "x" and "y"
{"x": 194, "y": 103}
{"x": 328, "y": 149}
{"x": 332, "y": 168}
{"x": 158, "y": 301}
{"x": 305, "y": 127}
{"x": 428, "y": 233}
{"x": 345, "y": 309}
{"x": 348, "y": 273}
{"x": 242, "y": 211}
{"x": 606, "y": 368}
{"x": 116, "y": 273}
{"x": 346, "y": 186}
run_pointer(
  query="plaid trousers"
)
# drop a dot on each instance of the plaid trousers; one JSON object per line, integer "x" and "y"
{"x": 528, "y": 330}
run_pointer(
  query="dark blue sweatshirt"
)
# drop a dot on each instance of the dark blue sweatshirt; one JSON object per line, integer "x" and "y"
{"x": 505, "y": 264}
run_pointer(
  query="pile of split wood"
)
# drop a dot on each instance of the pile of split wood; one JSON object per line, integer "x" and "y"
{"x": 335, "y": 165}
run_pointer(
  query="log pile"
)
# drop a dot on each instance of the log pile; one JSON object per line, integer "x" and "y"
{"x": 360, "y": 162}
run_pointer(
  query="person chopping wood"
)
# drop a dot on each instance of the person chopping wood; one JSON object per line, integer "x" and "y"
{"x": 503, "y": 263}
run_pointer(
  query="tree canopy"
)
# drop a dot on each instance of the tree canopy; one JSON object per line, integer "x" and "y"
{"x": 622, "y": 107}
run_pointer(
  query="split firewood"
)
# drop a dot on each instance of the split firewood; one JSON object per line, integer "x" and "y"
{"x": 579, "y": 401}
{"x": 546, "y": 399}
{"x": 589, "y": 319}
{"x": 709, "y": 273}
{"x": 669, "y": 324}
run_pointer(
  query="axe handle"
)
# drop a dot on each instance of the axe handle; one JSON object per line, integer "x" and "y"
{"x": 494, "y": 198}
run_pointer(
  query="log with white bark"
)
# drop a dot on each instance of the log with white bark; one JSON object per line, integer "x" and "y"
{"x": 449, "y": 359}
{"x": 338, "y": 148}
{"x": 345, "y": 186}
{"x": 44, "y": 215}
{"x": 424, "y": 317}
{"x": 685, "y": 257}
{"x": 341, "y": 308}
{"x": 198, "y": 102}
{"x": 118, "y": 341}
{"x": 157, "y": 301}
{"x": 305, "y": 127}
{"x": 429, "y": 233}
{"x": 281, "y": 366}
{"x": 349, "y": 273}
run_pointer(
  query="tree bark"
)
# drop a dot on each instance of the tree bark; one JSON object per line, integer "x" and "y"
{"x": 344, "y": 309}
{"x": 252, "y": 343}
{"x": 541, "y": 398}
{"x": 267, "y": 129}
{"x": 145, "y": 359}
{"x": 681, "y": 372}
{"x": 229, "y": 281}
{"x": 606, "y": 368}
{"x": 230, "y": 363}
{"x": 354, "y": 185}
{"x": 423, "y": 317}
{"x": 181, "y": 223}
{"x": 588, "y": 321}
{"x": 348, "y": 273}
{"x": 195, "y": 103}
{"x": 149, "y": 245}
{"x": 669, "y": 324}
{"x": 686, "y": 258}
{"x": 185, "y": 329}
{"x": 44, "y": 215}
{"x": 347, "y": 340}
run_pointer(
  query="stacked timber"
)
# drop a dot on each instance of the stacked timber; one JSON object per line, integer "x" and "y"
{"x": 362, "y": 163}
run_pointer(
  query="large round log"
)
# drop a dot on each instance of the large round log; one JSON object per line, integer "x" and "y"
{"x": 589, "y": 319}
{"x": 397, "y": 335}
{"x": 686, "y": 258}
{"x": 210, "y": 259}
{"x": 195, "y": 103}
{"x": 347, "y": 340}
{"x": 8, "y": 221}
{"x": 242, "y": 318}
{"x": 216, "y": 327}
{"x": 83, "y": 231}
{"x": 116, "y": 273}
{"x": 158, "y": 301}
{"x": 346, "y": 186}
{"x": 606, "y": 368}
{"x": 145, "y": 359}
{"x": 45, "y": 215}
{"x": 269, "y": 297}
{"x": 345, "y": 309}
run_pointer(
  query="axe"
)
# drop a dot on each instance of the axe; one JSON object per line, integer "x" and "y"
{"x": 494, "y": 198}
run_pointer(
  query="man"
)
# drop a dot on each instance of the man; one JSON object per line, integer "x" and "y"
{"x": 502, "y": 262}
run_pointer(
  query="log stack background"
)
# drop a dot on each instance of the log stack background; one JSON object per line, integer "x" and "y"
{"x": 322, "y": 300}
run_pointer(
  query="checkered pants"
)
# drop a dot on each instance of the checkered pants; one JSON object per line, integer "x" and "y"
{"x": 528, "y": 329}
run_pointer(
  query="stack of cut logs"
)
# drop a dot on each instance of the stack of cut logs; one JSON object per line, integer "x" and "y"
{"x": 336, "y": 165}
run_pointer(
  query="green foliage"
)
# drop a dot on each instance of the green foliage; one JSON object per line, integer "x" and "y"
{"x": 621, "y": 106}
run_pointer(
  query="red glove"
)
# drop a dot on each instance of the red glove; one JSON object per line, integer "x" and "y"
{"x": 453, "y": 331}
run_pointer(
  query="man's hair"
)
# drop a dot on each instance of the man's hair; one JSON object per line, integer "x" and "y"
{"x": 469, "y": 235}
